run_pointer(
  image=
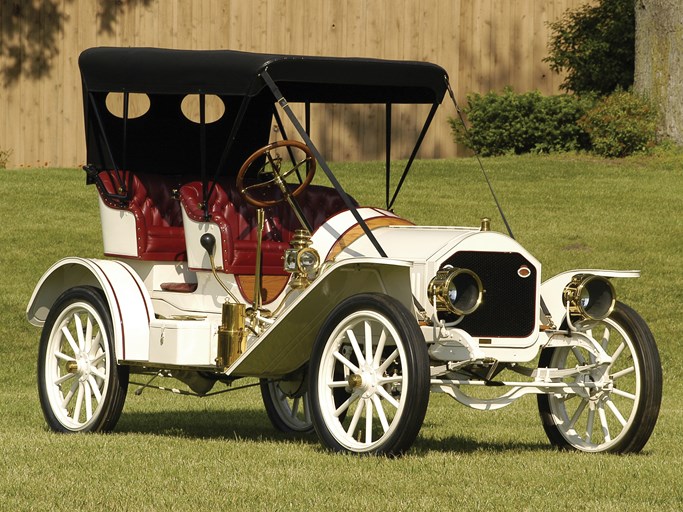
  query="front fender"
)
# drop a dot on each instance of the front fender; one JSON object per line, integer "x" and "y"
{"x": 129, "y": 303}
{"x": 551, "y": 290}
{"x": 287, "y": 344}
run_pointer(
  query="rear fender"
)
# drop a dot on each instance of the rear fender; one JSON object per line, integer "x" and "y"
{"x": 551, "y": 290}
{"x": 129, "y": 303}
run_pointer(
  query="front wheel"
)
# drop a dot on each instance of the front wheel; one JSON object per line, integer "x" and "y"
{"x": 369, "y": 377}
{"x": 81, "y": 388}
{"x": 618, "y": 411}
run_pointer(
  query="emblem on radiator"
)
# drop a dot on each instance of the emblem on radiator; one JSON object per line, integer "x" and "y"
{"x": 524, "y": 271}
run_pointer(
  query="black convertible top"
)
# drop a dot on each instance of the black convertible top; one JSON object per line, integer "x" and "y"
{"x": 226, "y": 72}
{"x": 162, "y": 140}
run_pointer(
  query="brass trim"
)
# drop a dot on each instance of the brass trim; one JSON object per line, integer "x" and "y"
{"x": 439, "y": 288}
{"x": 355, "y": 232}
{"x": 232, "y": 335}
{"x": 604, "y": 297}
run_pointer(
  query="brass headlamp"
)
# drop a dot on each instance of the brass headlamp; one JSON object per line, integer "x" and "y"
{"x": 301, "y": 260}
{"x": 589, "y": 297}
{"x": 457, "y": 290}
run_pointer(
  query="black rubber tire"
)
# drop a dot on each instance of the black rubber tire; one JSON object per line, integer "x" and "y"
{"x": 410, "y": 371}
{"x": 84, "y": 302}
{"x": 287, "y": 417}
{"x": 644, "y": 383}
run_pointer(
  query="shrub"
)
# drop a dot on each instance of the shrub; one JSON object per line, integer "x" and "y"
{"x": 522, "y": 123}
{"x": 621, "y": 124}
{"x": 595, "y": 45}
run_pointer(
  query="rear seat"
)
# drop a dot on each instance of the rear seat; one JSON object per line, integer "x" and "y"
{"x": 236, "y": 220}
{"x": 152, "y": 199}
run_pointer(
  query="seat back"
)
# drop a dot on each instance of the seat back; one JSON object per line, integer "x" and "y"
{"x": 152, "y": 200}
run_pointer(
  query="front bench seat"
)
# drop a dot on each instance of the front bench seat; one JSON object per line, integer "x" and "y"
{"x": 236, "y": 220}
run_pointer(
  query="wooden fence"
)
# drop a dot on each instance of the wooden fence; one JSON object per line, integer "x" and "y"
{"x": 483, "y": 44}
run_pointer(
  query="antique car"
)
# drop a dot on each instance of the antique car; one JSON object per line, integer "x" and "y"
{"x": 224, "y": 261}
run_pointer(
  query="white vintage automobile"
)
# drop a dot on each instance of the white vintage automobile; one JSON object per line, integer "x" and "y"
{"x": 224, "y": 261}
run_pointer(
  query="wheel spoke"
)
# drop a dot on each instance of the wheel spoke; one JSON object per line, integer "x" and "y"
{"x": 95, "y": 345}
{"x": 64, "y": 378}
{"x": 577, "y": 413}
{"x": 96, "y": 361}
{"x": 385, "y": 394}
{"x": 380, "y": 348}
{"x": 307, "y": 412}
{"x": 88, "y": 335}
{"x": 99, "y": 373}
{"x": 603, "y": 422}
{"x": 394, "y": 379}
{"x": 348, "y": 364}
{"x": 622, "y": 393}
{"x": 380, "y": 412}
{"x": 590, "y": 423}
{"x": 79, "y": 403}
{"x": 617, "y": 414}
{"x": 343, "y": 407}
{"x": 88, "y": 400}
{"x": 579, "y": 356}
{"x": 618, "y": 352}
{"x": 95, "y": 389}
{"x": 69, "y": 395}
{"x": 623, "y": 372}
{"x": 64, "y": 357}
{"x": 295, "y": 406}
{"x": 387, "y": 363}
{"x": 368, "y": 341}
{"x": 356, "y": 347}
{"x": 337, "y": 384}
{"x": 79, "y": 332}
{"x": 354, "y": 420}
{"x": 70, "y": 339}
{"x": 605, "y": 340}
{"x": 368, "y": 421}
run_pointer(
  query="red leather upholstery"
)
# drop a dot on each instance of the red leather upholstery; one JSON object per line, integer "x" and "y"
{"x": 153, "y": 203}
{"x": 236, "y": 220}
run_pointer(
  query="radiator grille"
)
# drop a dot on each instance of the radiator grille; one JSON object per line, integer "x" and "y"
{"x": 508, "y": 309}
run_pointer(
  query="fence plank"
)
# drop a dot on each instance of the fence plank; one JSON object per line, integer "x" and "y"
{"x": 483, "y": 44}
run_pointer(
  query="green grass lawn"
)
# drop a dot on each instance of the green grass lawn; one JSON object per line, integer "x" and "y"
{"x": 181, "y": 453}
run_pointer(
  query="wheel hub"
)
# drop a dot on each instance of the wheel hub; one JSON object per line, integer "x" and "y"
{"x": 364, "y": 383}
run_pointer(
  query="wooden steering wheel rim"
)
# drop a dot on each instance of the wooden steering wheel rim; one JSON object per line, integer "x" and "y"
{"x": 264, "y": 150}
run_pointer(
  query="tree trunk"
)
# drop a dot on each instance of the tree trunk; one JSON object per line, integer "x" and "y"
{"x": 659, "y": 60}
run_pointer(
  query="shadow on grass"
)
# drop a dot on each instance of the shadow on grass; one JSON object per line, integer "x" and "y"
{"x": 241, "y": 424}
{"x": 455, "y": 444}
{"x": 254, "y": 425}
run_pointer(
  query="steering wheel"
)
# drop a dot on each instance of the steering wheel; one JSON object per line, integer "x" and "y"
{"x": 262, "y": 172}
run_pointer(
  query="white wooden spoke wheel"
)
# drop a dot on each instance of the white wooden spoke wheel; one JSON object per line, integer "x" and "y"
{"x": 288, "y": 405}
{"x": 618, "y": 408}
{"x": 369, "y": 377}
{"x": 80, "y": 386}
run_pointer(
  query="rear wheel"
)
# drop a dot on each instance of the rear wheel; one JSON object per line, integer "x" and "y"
{"x": 369, "y": 377}
{"x": 619, "y": 409}
{"x": 81, "y": 388}
{"x": 287, "y": 404}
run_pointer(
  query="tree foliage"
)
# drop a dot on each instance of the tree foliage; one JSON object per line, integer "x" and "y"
{"x": 30, "y": 32}
{"x": 595, "y": 46}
